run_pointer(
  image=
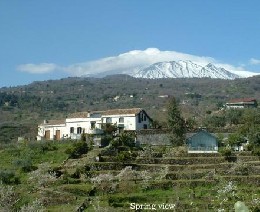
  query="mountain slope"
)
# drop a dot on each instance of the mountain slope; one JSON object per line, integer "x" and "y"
{"x": 183, "y": 69}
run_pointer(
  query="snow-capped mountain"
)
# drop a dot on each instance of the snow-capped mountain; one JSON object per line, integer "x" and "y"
{"x": 182, "y": 69}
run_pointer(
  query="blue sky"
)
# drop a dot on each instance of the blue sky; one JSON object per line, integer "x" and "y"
{"x": 53, "y": 39}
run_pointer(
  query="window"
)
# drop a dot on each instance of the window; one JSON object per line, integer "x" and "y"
{"x": 109, "y": 120}
{"x": 139, "y": 118}
{"x": 93, "y": 125}
{"x": 144, "y": 117}
{"x": 72, "y": 130}
{"x": 145, "y": 126}
{"x": 79, "y": 130}
{"x": 121, "y": 120}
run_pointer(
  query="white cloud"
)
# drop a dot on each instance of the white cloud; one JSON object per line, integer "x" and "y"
{"x": 41, "y": 68}
{"x": 129, "y": 61}
{"x": 239, "y": 70}
{"x": 254, "y": 61}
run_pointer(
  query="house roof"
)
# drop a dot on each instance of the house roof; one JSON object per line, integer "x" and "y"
{"x": 191, "y": 135}
{"x": 242, "y": 100}
{"x": 78, "y": 115}
{"x": 54, "y": 122}
{"x": 133, "y": 111}
{"x": 83, "y": 114}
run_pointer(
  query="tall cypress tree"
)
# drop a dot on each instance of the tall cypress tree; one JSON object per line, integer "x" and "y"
{"x": 176, "y": 123}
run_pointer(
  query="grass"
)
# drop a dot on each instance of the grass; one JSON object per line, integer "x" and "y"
{"x": 190, "y": 186}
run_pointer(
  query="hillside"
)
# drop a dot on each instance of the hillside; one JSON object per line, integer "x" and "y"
{"x": 44, "y": 176}
{"x": 75, "y": 176}
{"x": 25, "y": 106}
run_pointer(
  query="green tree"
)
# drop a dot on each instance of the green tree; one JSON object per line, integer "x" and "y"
{"x": 235, "y": 139}
{"x": 176, "y": 123}
{"x": 233, "y": 116}
{"x": 215, "y": 121}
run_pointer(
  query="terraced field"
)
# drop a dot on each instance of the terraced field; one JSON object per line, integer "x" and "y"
{"x": 192, "y": 182}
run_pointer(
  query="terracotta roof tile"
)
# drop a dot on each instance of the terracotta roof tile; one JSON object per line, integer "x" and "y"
{"x": 122, "y": 111}
{"x": 78, "y": 115}
{"x": 84, "y": 114}
{"x": 242, "y": 100}
{"x": 54, "y": 122}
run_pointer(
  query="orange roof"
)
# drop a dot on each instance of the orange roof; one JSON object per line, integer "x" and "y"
{"x": 78, "y": 115}
{"x": 242, "y": 100}
{"x": 122, "y": 111}
{"x": 54, "y": 122}
{"x": 83, "y": 114}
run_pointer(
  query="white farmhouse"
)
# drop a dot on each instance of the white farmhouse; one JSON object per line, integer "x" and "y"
{"x": 127, "y": 119}
{"x": 91, "y": 123}
{"x": 241, "y": 103}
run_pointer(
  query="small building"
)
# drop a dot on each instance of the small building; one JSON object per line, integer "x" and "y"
{"x": 202, "y": 142}
{"x": 241, "y": 103}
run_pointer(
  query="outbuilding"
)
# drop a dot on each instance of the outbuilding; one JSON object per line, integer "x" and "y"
{"x": 202, "y": 142}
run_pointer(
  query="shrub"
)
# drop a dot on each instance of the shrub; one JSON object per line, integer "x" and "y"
{"x": 77, "y": 149}
{"x": 42, "y": 146}
{"x": 104, "y": 183}
{"x": 176, "y": 151}
{"x": 34, "y": 206}
{"x": 43, "y": 176}
{"x": 8, "y": 177}
{"x": 240, "y": 168}
{"x": 126, "y": 139}
{"x": 227, "y": 153}
{"x": 124, "y": 156}
{"x": 256, "y": 151}
{"x": 8, "y": 198}
{"x": 25, "y": 164}
{"x": 77, "y": 173}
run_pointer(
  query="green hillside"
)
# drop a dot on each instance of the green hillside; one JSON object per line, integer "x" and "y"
{"x": 44, "y": 177}
{"x": 23, "y": 107}
{"x": 73, "y": 176}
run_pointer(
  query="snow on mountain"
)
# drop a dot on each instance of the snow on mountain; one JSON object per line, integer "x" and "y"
{"x": 183, "y": 69}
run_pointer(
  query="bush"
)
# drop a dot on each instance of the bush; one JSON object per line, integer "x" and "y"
{"x": 77, "y": 173}
{"x": 8, "y": 198}
{"x": 124, "y": 156}
{"x": 176, "y": 152}
{"x": 226, "y": 152}
{"x": 77, "y": 149}
{"x": 240, "y": 168}
{"x": 256, "y": 151}
{"x": 25, "y": 165}
{"x": 42, "y": 146}
{"x": 8, "y": 177}
{"x": 123, "y": 139}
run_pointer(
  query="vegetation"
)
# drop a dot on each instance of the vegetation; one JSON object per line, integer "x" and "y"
{"x": 75, "y": 176}
{"x": 176, "y": 124}
{"x": 162, "y": 176}
{"x": 22, "y": 108}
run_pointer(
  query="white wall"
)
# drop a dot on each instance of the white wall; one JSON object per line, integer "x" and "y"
{"x": 52, "y": 128}
{"x": 144, "y": 121}
{"x": 84, "y": 123}
{"x": 130, "y": 122}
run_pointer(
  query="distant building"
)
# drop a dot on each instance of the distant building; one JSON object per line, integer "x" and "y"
{"x": 202, "y": 142}
{"x": 91, "y": 123}
{"x": 241, "y": 103}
